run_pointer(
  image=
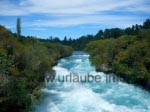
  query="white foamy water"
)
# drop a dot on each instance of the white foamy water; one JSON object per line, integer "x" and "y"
{"x": 90, "y": 96}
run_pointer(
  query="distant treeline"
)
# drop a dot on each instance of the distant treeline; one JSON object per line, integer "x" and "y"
{"x": 128, "y": 55}
{"x": 80, "y": 43}
{"x": 23, "y": 65}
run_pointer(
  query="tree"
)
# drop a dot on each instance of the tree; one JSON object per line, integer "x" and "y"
{"x": 19, "y": 28}
{"x": 146, "y": 24}
{"x": 107, "y": 33}
{"x": 70, "y": 40}
{"x": 128, "y": 31}
{"x": 51, "y": 38}
{"x": 56, "y": 39}
{"x": 116, "y": 32}
{"x": 65, "y": 39}
{"x": 99, "y": 34}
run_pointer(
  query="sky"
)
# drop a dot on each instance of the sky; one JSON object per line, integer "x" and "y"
{"x": 71, "y": 18}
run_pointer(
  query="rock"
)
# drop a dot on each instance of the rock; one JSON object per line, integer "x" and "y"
{"x": 104, "y": 68}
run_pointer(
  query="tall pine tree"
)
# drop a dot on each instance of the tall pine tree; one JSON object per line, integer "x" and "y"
{"x": 18, "y": 28}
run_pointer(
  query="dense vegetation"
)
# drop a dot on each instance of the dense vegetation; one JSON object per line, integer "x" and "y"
{"x": 127, "y": 56}
{"x": 80, "y": 43}
{"x": 23, "y": 64}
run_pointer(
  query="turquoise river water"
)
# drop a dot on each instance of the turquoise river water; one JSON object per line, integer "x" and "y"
{"x": 103, "y": 96}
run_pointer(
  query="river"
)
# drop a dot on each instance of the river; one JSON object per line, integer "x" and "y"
{"x": 102, "y": 96}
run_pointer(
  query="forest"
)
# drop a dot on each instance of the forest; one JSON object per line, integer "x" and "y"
{"x": 23, "y": 65}
{"x": 81, "y": 42}
{"x": 128, "y": 55}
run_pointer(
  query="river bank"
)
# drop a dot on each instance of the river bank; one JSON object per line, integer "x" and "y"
{"x": 37, "y": 96}
{"x": 127, "y": 56}
{"x": 23, "y": 63}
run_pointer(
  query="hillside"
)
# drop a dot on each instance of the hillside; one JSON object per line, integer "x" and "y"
{"x": 23, "y": 65}
{"x": 128, "y": 56}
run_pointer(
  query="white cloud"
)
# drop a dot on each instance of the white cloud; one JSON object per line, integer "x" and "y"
{"x": 109, "y": 20}
{"x": 87, "y": 11}
{"x": 80, "y": 6}
{"x": 67, "y": 6}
